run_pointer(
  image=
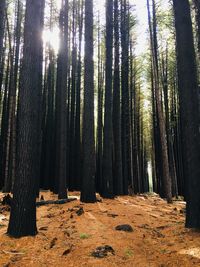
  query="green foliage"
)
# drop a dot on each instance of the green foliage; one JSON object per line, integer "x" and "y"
{"x": 84, "y": 236}
{"x": 128, "y": 253}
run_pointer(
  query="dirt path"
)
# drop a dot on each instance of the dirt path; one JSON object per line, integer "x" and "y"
{"x": 159, "y": 238}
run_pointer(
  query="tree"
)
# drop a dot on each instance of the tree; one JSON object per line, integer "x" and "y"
{"x": 88, "y": 179}
{"x": 2, "y": 23}
{"x": 61, "y": 108}
{"x": 77, "y": 145}
{"x": 117, "y": 168}
{"x": 126, "y": 125}
{"x": 48, "y": 120}
{"x": 107, "y": 135}
{"x": 197, "y": 18}
{"x": 166, "y": 179}
{"x": 23, "y": 211}
{"x": 99, "y": 142}
{"x": 188, "y": 93}
{"x": 10, "y": 151}
{"x": 73, "y": 98}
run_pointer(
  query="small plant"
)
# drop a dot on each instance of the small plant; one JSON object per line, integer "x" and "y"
{"x": 128, "y": 253}
{"x": 163, "y": 251}
{"x": 84, "y": 236}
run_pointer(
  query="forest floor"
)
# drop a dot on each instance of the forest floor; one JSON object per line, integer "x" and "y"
{"x": 64, "y": 238}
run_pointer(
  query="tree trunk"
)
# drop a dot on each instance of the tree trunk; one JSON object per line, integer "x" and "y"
{"x": 88, "y": 180}
{"x": 2, "y": 25}
{"x": 166, "y": 179}
{"x": 188, "y": 93}
{"x": 107, "y": 136}
{"x": 23, "y": 211}
{"x": 77, "y": 144}
{"x": 61, "y": 107}
{"x": 126, "y": 125}
{"x": 117, "y": 168}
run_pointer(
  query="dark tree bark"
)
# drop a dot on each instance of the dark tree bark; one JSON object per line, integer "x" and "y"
{"x": 2, "y": 26}
{"x": 188, "y": 93}
{"x": 99, "y": 145}
{"x": 135, "y": 121}
{"x": 117, "y": 165}
{"x": 40, "y": 88}
{"x": 48, "y": 151}
{"x": 23, "y": 211}
{"x": 48, "y": 174}
{"x": 176, "y": 136}
{"x": 107, "y": 135}
{"x": 61, "y": 106}
{"x": 88, "y": 179}
{"x": 2, "y": 71}
{"x": 7, "y": 181}
{"x": 166, "y": 179}
{"x": 73, "y": 100}
{"x": 165, "y": 84}
{"x": 13, "y": 85}
{"x": 2, "y": 46}
{"x": 4, "y": 120}
{"x": 126, "y": 125}
{"x": 77, "y": 142}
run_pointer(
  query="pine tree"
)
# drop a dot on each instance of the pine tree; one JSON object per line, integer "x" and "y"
{"x": 189, "y": 108}
{"x": 117, "y": 165}
{"x": 88, "y": 179}
{"x": 166, "y": 179}
{"x": 107, "y": 135}
{"x": 61, "y": 107}
{"x": 2, "y": 26}
{"x": 23, "y": 212}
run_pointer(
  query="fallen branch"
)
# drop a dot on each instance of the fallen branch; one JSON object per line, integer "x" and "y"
{"x": 12, "y": 252}
{"x": 59, "y": 201}
{"x": 7, "y": 200}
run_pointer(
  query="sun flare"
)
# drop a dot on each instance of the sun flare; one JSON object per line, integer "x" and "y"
{"x": 51, "y": 37}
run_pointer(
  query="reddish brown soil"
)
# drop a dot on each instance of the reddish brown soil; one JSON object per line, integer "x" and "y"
{"x": 159, "y": 238}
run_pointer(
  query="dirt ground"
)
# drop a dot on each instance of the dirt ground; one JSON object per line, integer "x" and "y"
{"x": 159, "y": 238}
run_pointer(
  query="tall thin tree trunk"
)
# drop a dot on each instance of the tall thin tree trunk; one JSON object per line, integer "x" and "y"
{"x": 99, "y": 145}
{"x": 166, "y": 179}
{"x": 61, "y": 107}
{"x": 117, "y": 168}
{"x": 88, "y": 179}
{"x": 2, "y": 26}
{"x": 126, "y": 133}
{"x": 107, "y": 136}
{"x": 77, "y": 142}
